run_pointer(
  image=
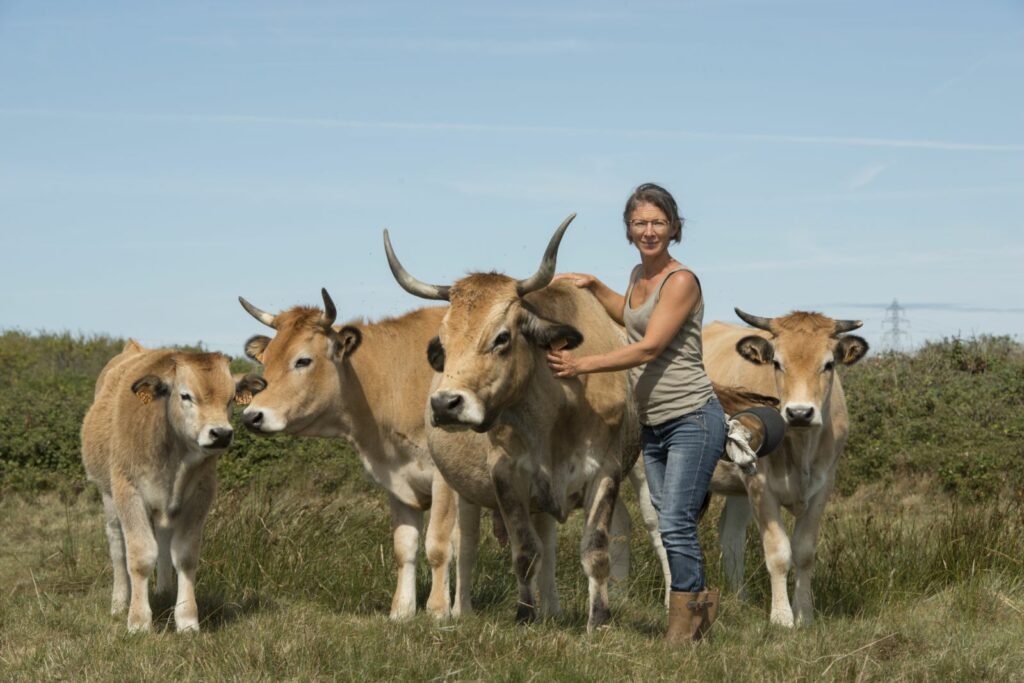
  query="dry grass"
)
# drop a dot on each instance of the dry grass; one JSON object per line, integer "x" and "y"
{"x": 296, "y": 581}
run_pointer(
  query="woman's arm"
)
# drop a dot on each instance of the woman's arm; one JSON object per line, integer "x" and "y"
{"x": 612, "y": 301}
{"x": 678, "y": 297}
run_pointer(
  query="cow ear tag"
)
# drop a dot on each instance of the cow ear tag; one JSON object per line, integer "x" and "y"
{"x": 244, "y": 398}
{"x": 559, "y": 344}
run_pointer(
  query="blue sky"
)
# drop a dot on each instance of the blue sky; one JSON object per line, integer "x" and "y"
{"x": 159, "y": 159}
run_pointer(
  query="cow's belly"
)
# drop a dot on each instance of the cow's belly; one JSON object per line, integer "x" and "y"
{"x": 408, "y": 477}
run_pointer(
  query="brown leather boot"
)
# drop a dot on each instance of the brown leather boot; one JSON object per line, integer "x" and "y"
{"x": 684, "y": 617}
{"x": 709, "y": 598}
{"x": 690, "y": 615}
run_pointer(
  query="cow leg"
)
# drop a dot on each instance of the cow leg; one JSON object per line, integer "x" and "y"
{"x": 638, "y": 478}
{"x": 732, "y": 530}
{"x": 618, "y": 548}
{"x": 777, "y": 554}
{"x": 594, "y": 548}
{"x": 438, "y": 545}
{"x": 513, "y": 494}
{"x": 185, "y": 541}
{"x": 805, "y": 544}
{"x": 406, "y": 525}
{"x": 115, "y": 538}
{"x": 467, "y": 539}
{"x": 140, "y": 555}
{"x": 548, "y": 531}
{"x": 164, "y": 566}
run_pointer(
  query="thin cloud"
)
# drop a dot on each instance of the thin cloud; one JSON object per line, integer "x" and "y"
{"x": 866, "y": 176}
{"x": 464, "y": 127}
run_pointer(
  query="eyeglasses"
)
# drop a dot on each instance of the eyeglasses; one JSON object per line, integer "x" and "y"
{"x": 657, "y": 224}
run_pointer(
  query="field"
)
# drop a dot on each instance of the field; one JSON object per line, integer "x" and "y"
{"x": 920, "y": 572}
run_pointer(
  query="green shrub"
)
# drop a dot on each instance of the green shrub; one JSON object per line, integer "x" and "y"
{"x": 953, "y": 411}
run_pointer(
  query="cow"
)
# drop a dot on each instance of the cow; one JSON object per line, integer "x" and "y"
{"x": 366, "y": 383}
{"x": 150, "y": 443}
{"x": 792, "y": 357}
{"x": 508, "y": 435}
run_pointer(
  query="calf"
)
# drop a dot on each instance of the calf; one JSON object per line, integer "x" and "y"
{"x": 150, "y": 442}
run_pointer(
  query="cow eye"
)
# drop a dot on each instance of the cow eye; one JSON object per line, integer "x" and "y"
{"x": 186, "y": 397}
{"x": 303, "y": 362}
{"x": 829, "y": 366}
{"x": 501, "y": 339}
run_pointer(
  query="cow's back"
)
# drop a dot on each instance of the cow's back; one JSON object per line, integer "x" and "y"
{"x": 114, "y": 428}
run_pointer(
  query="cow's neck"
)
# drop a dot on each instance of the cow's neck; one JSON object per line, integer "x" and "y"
{"x": 373, "y": 406}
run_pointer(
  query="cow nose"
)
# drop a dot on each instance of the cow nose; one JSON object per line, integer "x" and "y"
{"x": 799, "y": 415}
{"x": 253, "y": 420}
{"x": 446, "y": 406}
{"x": 221, "y": 437}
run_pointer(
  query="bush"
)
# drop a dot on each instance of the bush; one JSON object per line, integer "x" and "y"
{"x": 952, "y": 411}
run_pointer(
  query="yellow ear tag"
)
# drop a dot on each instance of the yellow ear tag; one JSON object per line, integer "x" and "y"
{"x": 558, "y": 344}
{"x": 145, "y": 397}
{"x": 244, "y": 398}
{"x": 259, "y": 358}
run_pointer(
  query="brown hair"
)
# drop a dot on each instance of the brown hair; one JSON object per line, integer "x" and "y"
{"x": 656, "y": 195}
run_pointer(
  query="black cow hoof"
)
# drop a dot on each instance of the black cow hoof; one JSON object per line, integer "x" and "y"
{"x": 598, "y": 618}
{"x": 525, "y": 614}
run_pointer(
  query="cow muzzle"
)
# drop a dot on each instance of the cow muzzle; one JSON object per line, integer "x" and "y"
{"x": 801, "y": 415}
{"x": 261, "y": 421}
{"x": 217, "y": 438}
{"x": 457, "y": 409}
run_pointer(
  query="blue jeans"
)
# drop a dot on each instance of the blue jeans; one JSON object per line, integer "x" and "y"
{"x": 680, "y": 456}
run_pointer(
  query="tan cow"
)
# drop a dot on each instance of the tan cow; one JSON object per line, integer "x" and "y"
{"x": 366, "y": 383}
{"x": 794, "y": 358}
{"x": 509, "y": 435}
{"x": 150, "y": 443}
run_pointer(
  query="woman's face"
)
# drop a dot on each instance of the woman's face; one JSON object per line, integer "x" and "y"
{"x": 650, "y": 229}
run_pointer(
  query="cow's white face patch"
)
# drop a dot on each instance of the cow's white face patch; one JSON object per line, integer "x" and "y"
{"x": 273, "y": 421}
{"x": 470, "y": 411}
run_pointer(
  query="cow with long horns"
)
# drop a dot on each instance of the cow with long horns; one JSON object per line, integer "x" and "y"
{"x": 548, "y": 445}
{"x": 366, "y": 383}
{"x": 793, "y": 357}
{"x": 551, "y": 446}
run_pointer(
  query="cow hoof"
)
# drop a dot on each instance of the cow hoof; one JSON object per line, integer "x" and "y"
{"x": 439, "y": 613}
{"x": 139, "y": 626}
{"x": 525, "y": 614}
{"x": 189, "y": 626}
{"x": 599, "y": 617}
{"x": 784, "y": 619}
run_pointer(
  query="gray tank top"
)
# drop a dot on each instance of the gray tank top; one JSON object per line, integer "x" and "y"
{"x": 674, "y": 383}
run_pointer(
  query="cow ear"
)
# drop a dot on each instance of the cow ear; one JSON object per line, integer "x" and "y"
{"x": 348, "y": 339}
{"x": 549, "y": 334}
{"x": 850, "y": 349}
{"x": 247, "y": 387}
{"x": 756, "y": 349}
{"x": 256, "y": 347}
{"x": 435, "y": 354}
{"x": 149, "y": 387}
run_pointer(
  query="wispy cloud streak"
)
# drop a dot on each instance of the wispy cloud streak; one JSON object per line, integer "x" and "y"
{"x": 464, "y": 127}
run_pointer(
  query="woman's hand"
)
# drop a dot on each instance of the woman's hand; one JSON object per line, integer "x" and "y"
{"x": 563, "y": 364}
{"x": 581, "y": 280}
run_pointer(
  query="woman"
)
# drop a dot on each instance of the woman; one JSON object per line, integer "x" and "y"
{"x": 683, "y": 425}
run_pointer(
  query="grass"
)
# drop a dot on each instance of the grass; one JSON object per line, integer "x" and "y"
{"x": 296, "y": 578}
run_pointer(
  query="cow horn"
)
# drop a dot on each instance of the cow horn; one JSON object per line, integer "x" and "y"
{"x": 408, "y": 282}
{"x": 755, "y": 320}
{"x": 546, "y": 271}
{"x": 847, "y": 325}
{"x": 264, "y": 317}
{"x": 330, "y": 312}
